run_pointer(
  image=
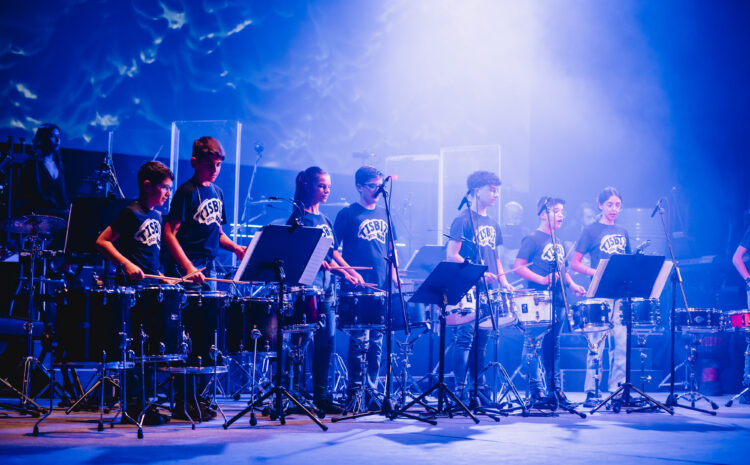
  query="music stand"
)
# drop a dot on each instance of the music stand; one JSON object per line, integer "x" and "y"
{"x": 286, "y": 255}
{"x": 628, "y": 276}
{"x": 88, "y": 217}
{"x": 446, "y": 285}
{"x": 424, "y": 261}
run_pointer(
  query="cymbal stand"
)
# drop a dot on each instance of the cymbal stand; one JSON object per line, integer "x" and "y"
{"x": 361, "y": 393}
{"x": 402, "y": 364}
{"x": 594, "y": 341}
{"x": 27, "y": 405}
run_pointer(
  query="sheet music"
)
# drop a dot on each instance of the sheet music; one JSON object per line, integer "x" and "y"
{"x": 316, "y": 259}
{"x": 661, "y": 279}
{"x": 248, "y": 254}
{"x": 597, "y": 277}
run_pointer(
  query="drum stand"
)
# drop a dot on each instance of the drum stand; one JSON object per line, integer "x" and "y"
{"x": 507, "y": 387}
{"x": 401, "y": 363}
{"x": 535, "y": 342}
{"x": 594, "y": 341}
{"x": 693, "y": 395}
{"x": 361, "y": 393}
{"x": 747, "y": 389}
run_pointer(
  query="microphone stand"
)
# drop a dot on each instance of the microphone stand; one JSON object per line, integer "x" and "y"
{"x": 386, "y": 408}
{"x": 475, "y": 404}
{"x": 559, "y": 273}
{"x": 672, "y": 399}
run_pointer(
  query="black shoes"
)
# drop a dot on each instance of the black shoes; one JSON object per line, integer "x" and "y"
{"x": 591, "y": 400}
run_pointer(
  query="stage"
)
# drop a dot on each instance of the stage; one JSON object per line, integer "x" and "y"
{"x": 643, "y": 438}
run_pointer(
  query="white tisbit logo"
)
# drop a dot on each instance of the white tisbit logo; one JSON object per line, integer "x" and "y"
{"x": 209, "y": 211}
{"x": 373, "y": 230}
{"x": 613, "y": 244}
{"x": 149, "y": 233}
{"x": 486, "y": 237}
{"x": 326, "y": 230}
{"x": 548, "y": 254}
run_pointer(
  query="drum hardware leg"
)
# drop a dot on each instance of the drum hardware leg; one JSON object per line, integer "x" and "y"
{"x": 692, "y": 396}
{"x": 737, "y": 396}
{"x": 534, "y": 407}
{"x": 594, "y": 342}
{"x": 624, "y": 399}
{"x": 506, "y": 389}
{"x": 35, "y": 431}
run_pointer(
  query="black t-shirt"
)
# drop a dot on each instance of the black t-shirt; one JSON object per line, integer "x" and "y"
{"x": 363, "y": 234}
{"x": 745, "y": 242}
{"x": 602, "y": 241}
{"x": 39, "y": 192}
{"x": 490, "y": 238}
{"x": 200, "y": 210}
{"x": 139, "y": 238}
{"x": 537, "y": 249}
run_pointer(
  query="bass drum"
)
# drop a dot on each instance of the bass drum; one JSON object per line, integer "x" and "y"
{"x": 92, "y": 324}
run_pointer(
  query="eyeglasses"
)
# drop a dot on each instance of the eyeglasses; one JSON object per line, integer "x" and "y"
{"x": 371, "y": 186}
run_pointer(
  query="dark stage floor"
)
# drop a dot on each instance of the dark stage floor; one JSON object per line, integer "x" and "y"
{"x": 637, "y": 438}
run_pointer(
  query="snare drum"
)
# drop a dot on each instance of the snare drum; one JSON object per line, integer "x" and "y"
{"x": 248, "y": 314}
{"x": 502, "y": 302}
{"x": 698, "y": 320}
{"x": 158, "y": 314}
{"x": 203, "y": 320}
{"x": 415, "y": 313}
{"x": 464, "y": 312}
{"x": 362, "y": 309}
{"x": 590, "y": 316}
{"x": 533, "y": 309}
{"x": 738, "y": 320}
{"x": 305, "y": 312}
{"x": 93, "y": 323}
{"x": 646, "y": 316}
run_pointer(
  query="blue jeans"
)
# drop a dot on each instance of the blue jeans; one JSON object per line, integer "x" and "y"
{"x": 324, "y": 339}
{"x": 548, "y": 353}
{"x": 463, "y": 356}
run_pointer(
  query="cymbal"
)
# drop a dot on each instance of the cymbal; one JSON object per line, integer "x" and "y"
{"x": 264, "y": 201}
{"x": 33, "y": 224}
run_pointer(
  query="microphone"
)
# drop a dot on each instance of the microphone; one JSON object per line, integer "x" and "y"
{"x": 381, "y": 187}
{"x": 544, "y": 206}
{"x": 465, "y": 200}
{"x": 642, "y": 247}
{"x": 657, "y": 207}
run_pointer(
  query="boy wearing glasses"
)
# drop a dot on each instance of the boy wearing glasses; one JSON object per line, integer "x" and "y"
{"x": 362, "y": 229}
{"x": 538, "y": 249}
{"x": 193, "y": 231}
{"x": 137, "y": 228}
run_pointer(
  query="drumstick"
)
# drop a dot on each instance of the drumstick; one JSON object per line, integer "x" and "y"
{"x": 230, "y": 281}
{"x": 372, "y": 286}
{"x": 351, "y": 267}
{"x": 156, "y": 276}
{"x": 515, "y": 269}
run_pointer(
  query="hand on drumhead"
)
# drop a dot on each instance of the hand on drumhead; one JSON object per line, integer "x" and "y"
{"x": 133, "y": 272}
{"x": 351, "y": 279}
{"x": 358, "y": 279}
{"x": 196, "y": 276}
{"x": 506, "y": 285}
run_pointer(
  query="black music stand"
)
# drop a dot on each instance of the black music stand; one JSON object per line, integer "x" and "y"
{"x": 89, "y": 216}
{"x": 286, "y": 255}
{"x": 627, "y": 276}
{"x": 446, "y": 285}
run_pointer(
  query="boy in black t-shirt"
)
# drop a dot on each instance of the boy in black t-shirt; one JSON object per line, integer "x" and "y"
{"x": 193, "y": 231}
{"x": 538, "y": 249}
{"x": 601, "y": 240}
{"x": 483, "y": 193}
{"x": 137, "y": 228}
{"x": 137, "y": 233}
{"x": 362, "y": 229}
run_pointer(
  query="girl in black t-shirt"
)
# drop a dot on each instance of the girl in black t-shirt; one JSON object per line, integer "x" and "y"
{"x": 313, "y": 186}
{"x": 137, "y": 228}
{"x": 601, "y": 240}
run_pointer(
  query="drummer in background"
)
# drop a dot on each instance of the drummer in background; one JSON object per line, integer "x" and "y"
{"x": 42, "y": 179}
{"x": 600, "y": 240}
{"x": 483, "y": 193}
{"x": 192, "y": 231}
{"x": 739, "y": 263}
{"x": 313, "y": 186}
{"x": 362, "y": 228}
{"x": 537, "y": 249}
{"x": 137, "y": 228}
